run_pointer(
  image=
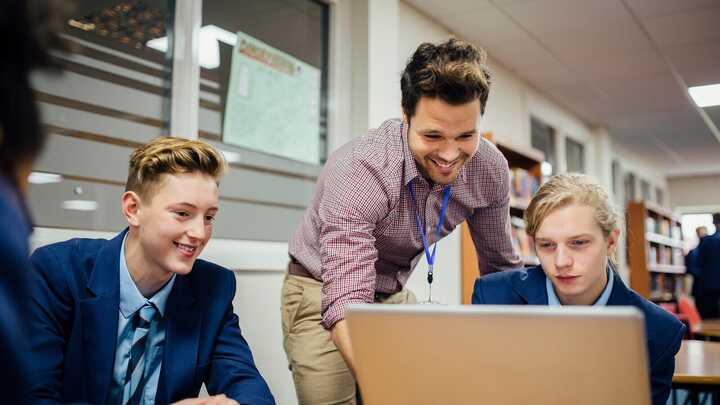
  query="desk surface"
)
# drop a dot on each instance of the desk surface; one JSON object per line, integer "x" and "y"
{"x": 697, "y": 362}
{"x": 709, "y": 328}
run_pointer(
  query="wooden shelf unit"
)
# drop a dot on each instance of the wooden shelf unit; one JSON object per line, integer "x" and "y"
{"x": 521, "y": 161}
{"x": 655, "y": 255}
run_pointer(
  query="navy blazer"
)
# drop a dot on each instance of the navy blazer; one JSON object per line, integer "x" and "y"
{"x": 15, "y": 266}
{"x": 709, "y": 261}
{"x": 663, "y": 330}
{"x": 74, "y": 320}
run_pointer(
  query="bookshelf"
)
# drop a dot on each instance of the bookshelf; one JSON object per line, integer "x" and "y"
{"x": 525, "y": 177}
{"x": 655, "y": 254}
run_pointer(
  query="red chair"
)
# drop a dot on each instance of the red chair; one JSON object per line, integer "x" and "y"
{"x": 687, "y": 308}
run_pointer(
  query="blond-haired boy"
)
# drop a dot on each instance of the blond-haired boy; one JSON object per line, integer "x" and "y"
{"x": 138, "y": 319}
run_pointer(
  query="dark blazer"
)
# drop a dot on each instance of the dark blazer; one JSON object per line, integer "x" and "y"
{"x": 15, "y": 266}
{"x": 663, "y": 330}
{"x": 74, "y": 321}
{"x": 709, "y": 261}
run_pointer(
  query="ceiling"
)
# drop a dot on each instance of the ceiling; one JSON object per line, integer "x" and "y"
{"x": 621, "y": 64}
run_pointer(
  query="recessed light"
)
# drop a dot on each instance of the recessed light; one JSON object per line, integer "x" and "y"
{"x": 80, "y": 205}
{"x": 705, "y": 96}
{"x": 44, "y": 178}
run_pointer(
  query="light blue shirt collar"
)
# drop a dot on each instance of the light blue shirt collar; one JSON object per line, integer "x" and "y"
{"x": 131, "y": 300}
{"x": 553, "y": 300}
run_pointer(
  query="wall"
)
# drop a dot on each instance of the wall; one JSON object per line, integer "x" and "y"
{"x": 695, "y": 193}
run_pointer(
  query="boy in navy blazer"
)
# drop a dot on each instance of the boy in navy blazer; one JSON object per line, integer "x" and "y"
{"x": 574, "y": 228}
{"x": 138, "y": 319}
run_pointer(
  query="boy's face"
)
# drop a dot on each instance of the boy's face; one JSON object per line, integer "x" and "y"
{"x": 175, "y": 221}
{"x": 574, "y": 253}
{"x": 442, "y": 137}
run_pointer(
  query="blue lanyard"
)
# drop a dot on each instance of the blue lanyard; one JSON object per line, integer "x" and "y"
{"x": 430, "y": 256}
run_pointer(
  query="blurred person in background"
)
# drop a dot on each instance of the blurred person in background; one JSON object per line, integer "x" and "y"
{"x": 708, "y": 301}
{"x": 692, "y": 263}
{"x": 27, "y": 30}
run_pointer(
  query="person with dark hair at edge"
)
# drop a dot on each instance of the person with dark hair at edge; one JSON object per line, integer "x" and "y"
{"x": 381, "y": 201}
{"x": 27, "y": 31}
{"x": 708, "y": 298}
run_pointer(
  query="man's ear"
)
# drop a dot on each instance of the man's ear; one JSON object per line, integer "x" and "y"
{"x": 612, "y": 241}
{"x": 131, "y": 205}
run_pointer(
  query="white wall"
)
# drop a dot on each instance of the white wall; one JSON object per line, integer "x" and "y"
{"x": 695, "y": 193}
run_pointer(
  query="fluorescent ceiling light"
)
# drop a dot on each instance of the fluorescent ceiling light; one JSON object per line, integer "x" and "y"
{"x": 209, "y": 48}
{"x": 705, "y": 96}
{"x": 80, "y": 205}
{"x": 44, "y": 178}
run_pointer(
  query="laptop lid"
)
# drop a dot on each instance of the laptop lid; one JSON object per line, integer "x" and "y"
{"x": 429, "y": 354}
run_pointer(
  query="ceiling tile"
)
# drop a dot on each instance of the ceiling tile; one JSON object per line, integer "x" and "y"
{"x": 444, "y": 8}
{"x": 486, "y": 26}
{"x": 542, "y": 17}
{"x": 686, "y": 27}
{"x": 656, "y": 8}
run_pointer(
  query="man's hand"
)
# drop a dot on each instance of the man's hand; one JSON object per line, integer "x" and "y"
{"x": 341, "y": 338}
{"x": 213, "y": 400}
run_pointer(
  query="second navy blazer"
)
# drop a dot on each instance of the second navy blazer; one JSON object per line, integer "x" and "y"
{"x": 664, "y": 331}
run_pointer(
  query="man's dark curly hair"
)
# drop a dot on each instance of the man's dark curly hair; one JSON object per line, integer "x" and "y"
{"x": 28, "y": 29}
{"x": 454, "y": 71}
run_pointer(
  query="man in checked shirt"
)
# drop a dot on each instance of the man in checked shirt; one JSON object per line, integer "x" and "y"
{"x": 361, "y": 237}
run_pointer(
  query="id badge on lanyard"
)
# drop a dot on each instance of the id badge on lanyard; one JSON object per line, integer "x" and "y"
{"x": 430, "y": 256}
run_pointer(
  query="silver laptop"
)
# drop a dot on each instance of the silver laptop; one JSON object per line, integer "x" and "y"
{"x": 443, "y": 355}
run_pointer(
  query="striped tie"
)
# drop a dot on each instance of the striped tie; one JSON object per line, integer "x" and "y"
{"x": 135, "y": 377}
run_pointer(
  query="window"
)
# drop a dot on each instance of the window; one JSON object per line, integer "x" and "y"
{"x": 111, "y": 97}
{"x": 264, "y": 76}
{"x": 629, "y": 187}
{"x": 615, "y": 176}
{"x": 645, "y": 190}
{"x": 659, "y": 196}
{"x": 543, "y": 138}
{"x": 575, "y": 155}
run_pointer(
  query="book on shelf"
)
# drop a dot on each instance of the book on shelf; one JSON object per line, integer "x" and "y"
{"x": 523, "y": 184}
{"x": 521, "y": 244}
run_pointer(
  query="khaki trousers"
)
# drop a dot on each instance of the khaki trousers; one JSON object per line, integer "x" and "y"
{"x": 320, "y": 374}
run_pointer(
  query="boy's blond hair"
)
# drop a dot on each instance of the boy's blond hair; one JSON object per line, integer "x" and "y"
{"x": 566, "y": 189}
{"x": 169, "y": 155}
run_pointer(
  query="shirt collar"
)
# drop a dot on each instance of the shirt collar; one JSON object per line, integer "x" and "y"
{"x": 131, "y": 300}
{"x": 411, "y": 169}
{"x": 553, "y": 300}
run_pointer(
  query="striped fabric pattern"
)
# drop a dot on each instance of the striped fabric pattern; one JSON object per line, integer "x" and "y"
{"x": 137, "y": 372}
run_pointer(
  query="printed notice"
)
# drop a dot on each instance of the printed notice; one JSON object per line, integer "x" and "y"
{"x": 273, "y": 102}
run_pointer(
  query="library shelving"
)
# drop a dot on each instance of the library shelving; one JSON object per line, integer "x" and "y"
{"x": 525, "y": 177}
{"x": 655, "y": 252}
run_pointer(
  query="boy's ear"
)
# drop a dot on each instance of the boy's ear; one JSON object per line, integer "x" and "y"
{"x": 613, "y": 241}
{"x": 131, "y": 205}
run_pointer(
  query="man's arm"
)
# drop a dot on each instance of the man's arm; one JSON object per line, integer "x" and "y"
{"x": 354, "y": 201}
{"x": 233, "y": 371}
{"x": 490, "y": 226}
{"x": 341, "y": 338}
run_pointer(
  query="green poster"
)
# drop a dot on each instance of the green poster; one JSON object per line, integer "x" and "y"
{"x": 273, "y": 102}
